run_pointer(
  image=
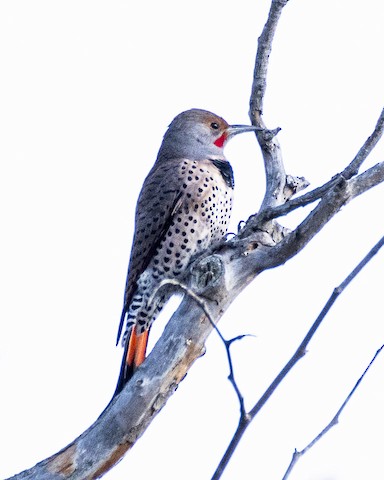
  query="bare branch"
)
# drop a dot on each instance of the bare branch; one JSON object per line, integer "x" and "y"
{"x": 273, "y": 162}
{"x": 335, "y": 420}
{"x": 245, "y": 420}
{"x": 262, "y": 59}
{"x": 342, "y": 193}
{"x": 366, "y": 149}
{"x": 367, "y": 180}
{"x": 302, "y": 201}
{"x": 316, "y": 194}
{"x": 227, "y": 343}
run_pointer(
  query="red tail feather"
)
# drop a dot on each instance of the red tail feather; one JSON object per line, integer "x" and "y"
{"x": 134, "y": 355}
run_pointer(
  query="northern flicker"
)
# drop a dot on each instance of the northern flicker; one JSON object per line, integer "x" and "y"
{"x": 184, "y": 207}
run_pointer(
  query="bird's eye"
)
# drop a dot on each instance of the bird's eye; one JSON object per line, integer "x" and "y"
{"x": 214, "y": 125}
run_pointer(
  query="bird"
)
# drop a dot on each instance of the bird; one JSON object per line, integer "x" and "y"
{"x": 183, "y": 208}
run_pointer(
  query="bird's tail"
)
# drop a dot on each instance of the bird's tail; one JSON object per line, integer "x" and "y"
{"x": 134, "y": 355}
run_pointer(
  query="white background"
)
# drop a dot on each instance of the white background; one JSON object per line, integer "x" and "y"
{"x": 87, "y": 89}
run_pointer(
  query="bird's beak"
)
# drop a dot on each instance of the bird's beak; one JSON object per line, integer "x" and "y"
{"x": 233, "y": 130}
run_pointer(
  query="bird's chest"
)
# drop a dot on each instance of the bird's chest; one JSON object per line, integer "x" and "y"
{"x": 208, "y": 195}
{"x": 201, "y": 220}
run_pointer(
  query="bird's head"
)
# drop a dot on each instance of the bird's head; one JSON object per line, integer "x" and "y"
{"x": 197, "y": 134}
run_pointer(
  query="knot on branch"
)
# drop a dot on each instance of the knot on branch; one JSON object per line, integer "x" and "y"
{"x": 268, "y": 135}
{"x": 163, "y": 396}
{"x": 342, "y": 189}
{"x": 294, "y": 185}
{"x": 266, "y": 140}
{"x": 208, "y": 276}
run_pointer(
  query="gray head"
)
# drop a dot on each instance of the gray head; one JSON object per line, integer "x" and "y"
{"x": 198, "y": 134}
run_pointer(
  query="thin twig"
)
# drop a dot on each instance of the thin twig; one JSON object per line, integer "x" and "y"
{"x": 227, "y": 343}
{"x": 246, "y": 419}
{"x": 262, "y": 61}
{"x": 335, "y": 420}
{"x": 302, "y": 201}
{"x": 366, "y": 149}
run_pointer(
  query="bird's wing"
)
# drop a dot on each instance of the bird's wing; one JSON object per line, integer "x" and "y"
{"x": 159, "y": 200}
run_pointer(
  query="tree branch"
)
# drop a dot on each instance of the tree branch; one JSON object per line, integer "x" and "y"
{"x": 262, "y": 60}
{"x": 366, "y": 149}
{"x": 273, "y": 162}
{"x": 246, "y": 418}
{"x": 272, "y": 212}
{"x": 335, "y": 420}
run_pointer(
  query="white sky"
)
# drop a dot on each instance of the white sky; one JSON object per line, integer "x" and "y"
{"x": 87, "y": 89}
